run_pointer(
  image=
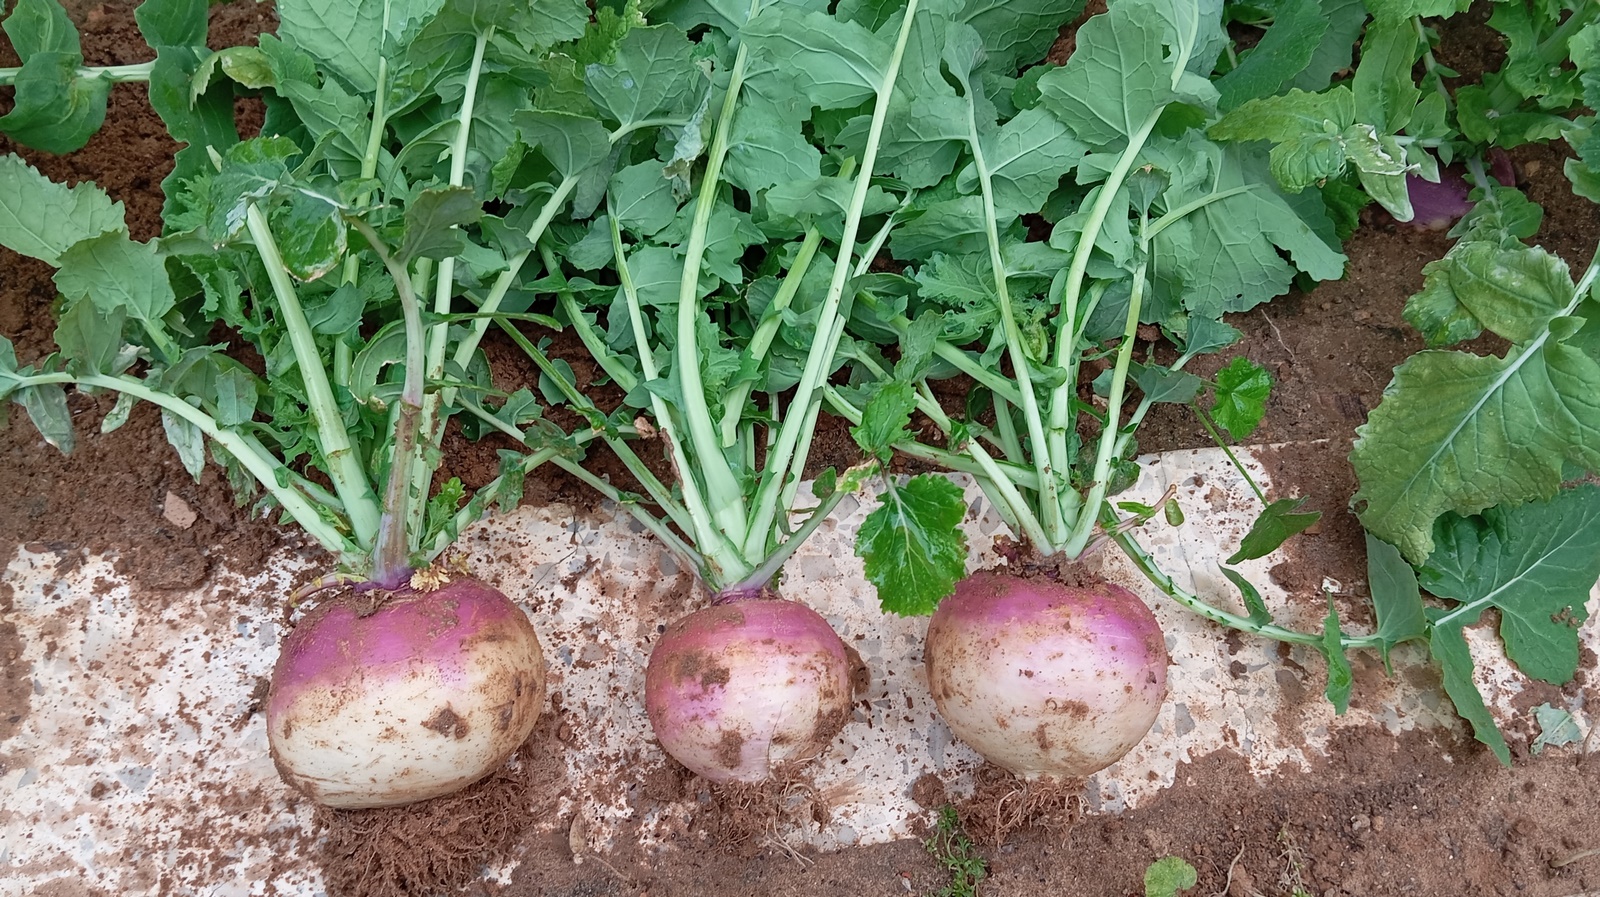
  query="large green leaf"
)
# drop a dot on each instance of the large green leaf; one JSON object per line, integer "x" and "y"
{"x": 42, "y": 219}
{"x": 1458, "y": 432}
{"x": 1536, "y": 563}
{"x": 1115, "y": 80}
{"x": 835, "y": 64}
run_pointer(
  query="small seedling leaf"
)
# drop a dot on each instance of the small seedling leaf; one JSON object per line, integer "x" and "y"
{"x": 1556, "y": 727}
{"x": 1241, "y": 401}
{"x": 1449, "y": 648}
{"x": 1167, "y": 876}
{"x": 1340, "y": 678}
{"x": 884, "y": 420}
{"x": 46, "y": 405}
{"x": 188, "y": 440}
{"x": 1257, "y": 608}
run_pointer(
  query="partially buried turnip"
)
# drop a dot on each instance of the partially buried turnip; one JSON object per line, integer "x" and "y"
{"x": 381, "y": 699}
{"x": 740, "y": 690}
{"x": 1044, "y": 679}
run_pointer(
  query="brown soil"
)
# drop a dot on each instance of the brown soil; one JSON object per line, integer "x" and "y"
{"x": 1410, "y": 815}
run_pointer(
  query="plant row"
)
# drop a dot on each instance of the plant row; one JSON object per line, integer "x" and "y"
{"x": 755, "y": 214}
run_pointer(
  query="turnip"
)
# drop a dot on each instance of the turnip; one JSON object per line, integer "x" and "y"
{"x": 738, "y": 690}
{"x": 1044, "y": 679}
{"x": 414, "y": 699}
{"x": 415, "y": 682}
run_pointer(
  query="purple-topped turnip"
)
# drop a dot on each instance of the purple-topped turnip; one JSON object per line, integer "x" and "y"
{"x": 1044, "y": 679}
{"x": 738, "y": 690}
{"x": 416, "y": 695}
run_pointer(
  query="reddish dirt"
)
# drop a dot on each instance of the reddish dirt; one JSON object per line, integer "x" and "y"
{"x": 1381, "y": 816}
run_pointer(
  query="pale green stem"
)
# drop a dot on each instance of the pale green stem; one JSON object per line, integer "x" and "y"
{"x": 1060, "y": 422}
{"x": 344, "y": 468}
{"x": 116, "y": 74}
{"x": 266, "y": 469}
{"x": 1049, "y": 495}
{"x": 722, "y": 487}
{"x": 1101, "y": 481}
{"x": 444, "y": 291}
{"x": 807, "y": 398}
{"x": 720, "y": 550}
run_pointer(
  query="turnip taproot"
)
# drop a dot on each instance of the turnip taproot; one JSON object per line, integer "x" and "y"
{"x": 1044, "y": 679}
{"x": 420, "y": 697}
{"x": 739, "y": 690}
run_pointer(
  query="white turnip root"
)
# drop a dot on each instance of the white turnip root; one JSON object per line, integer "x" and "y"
{"x": 1043, "y": 679}
{"x": 740, "y": 690}
{"x": 422, "y": 696}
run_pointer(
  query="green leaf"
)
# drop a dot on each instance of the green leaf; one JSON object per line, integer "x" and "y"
{"x": 42, "y": 219}
{"x": 1304, "y": 128}
{"x": 571, "y": 142}
{"x": 115, "y": 273}
{"x": 1556, "y": 728}
{"x": 345, "y": 36}
{"x": 39, "y": 26}
{"x": 1016, "y": 32}
{"x": 1241, "y": 398}
{"x": 1167, "y": 876}
{"x": 767, "y": 146}
{"x": 56, "y": 110}
{"x": 1254, "y": 606}
{"x": 1275, "y": 525}
{"x": 311, "y": 234}
{"x": 1536, "y": 563}
{"x": 1514, "y": 291}
{"x": 835, "y": 64}
{"x": 433, "y": 220}
{"x": 173, "y": 23}
{"x": 1340, "y": 678}
{"x": 1161, "y": 384}
{"x": 884, "y": 420}
{"x": 1027, "y": 158}
{"x": 89, "y": 337}
{"x": 119, "y": 413}
{"x": 1449, "y": 647}
{"x": 1391, "y": 10}
{"x": 653, "y": 74}
{"x": 642, "y": 199}
{"x": 1116, "y": 79}
{"x": 913, "y": 544}
{"x": 1296, "y": 33}
{"x": 1458, "y": 432}
{"x": 442, "y": 507}
{"x": 1385, "y": 95}
{"x": 235, "y": 396}
{"x": 46, "y": 405}
{"x": 188, "y": 440}
{"x": 1396, "y": 597}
